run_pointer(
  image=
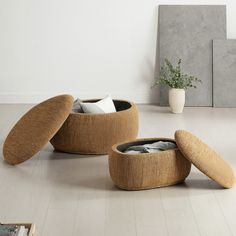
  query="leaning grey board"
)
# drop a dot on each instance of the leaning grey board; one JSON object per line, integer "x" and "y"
{"x": 186, "y": 32}
{"x": 224, "y": 73}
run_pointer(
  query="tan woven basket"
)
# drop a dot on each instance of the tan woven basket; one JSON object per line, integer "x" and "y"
{"x": 96, "y": 133}
{"x": 147, "y": 170}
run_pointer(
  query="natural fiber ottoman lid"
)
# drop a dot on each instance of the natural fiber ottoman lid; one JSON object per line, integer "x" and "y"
{"x": 36, "y": 128}
{"x": 204, "y": 158}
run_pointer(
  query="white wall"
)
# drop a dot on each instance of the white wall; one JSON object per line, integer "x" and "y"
{"x": 84, "y": 47}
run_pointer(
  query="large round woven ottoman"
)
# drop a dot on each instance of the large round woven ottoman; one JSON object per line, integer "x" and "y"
{"x": 85, "y": 133}
{"x": 147, "y": 170}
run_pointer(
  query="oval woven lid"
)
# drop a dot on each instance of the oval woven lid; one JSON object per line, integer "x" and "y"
{"x": 36, "y": 128}
{"x": 204, "y": 158}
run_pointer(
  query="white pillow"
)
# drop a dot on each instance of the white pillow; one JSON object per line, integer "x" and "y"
{"x": 105, "y": 105}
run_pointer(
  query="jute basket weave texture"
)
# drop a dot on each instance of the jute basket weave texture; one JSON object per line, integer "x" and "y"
{"x": 95, "y": 133}
{"x": 205, "y": 158}
{"x": 36, "y": 128}
{"x": 147, "y": 170}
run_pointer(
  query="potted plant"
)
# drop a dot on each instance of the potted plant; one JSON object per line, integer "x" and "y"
{"x": 178, "y": 83}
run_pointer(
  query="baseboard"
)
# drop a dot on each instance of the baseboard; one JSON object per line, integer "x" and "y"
{"x": 14, "y": 98}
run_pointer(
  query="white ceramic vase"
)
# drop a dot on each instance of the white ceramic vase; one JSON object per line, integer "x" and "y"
{"x": 176, "y": 100}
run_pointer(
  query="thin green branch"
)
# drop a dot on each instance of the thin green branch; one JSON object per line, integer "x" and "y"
{"x": 174, "y": 77}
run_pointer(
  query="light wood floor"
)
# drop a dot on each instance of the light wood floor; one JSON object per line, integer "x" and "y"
{"x": 72, "y": 195}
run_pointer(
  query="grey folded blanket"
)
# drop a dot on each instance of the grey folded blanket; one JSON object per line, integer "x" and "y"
{"x": 77, "y": 106}
{"x": 151, "y": 148}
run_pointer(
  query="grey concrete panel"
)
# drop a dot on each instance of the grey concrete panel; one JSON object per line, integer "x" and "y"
{"x": 187, "y": 32}
{"x": 224, "y": 73}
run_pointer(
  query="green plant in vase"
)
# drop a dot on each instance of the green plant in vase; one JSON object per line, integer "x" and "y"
{"x": 178, "y": 81}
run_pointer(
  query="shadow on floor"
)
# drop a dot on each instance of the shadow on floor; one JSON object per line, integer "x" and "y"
{"x": 58, "y": 155}
{"x": 73, "y": 171}
{"x": 199, "y": 181}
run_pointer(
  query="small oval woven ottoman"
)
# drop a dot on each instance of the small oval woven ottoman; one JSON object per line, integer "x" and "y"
{"x": 147, "y": 170}
{"x": 85, "y": 133}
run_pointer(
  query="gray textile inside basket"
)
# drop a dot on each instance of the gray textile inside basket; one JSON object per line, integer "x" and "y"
{"x": 150, "y": 147}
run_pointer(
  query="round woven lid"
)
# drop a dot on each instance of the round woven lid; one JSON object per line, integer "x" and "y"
{"x": 204, "y": 158}
{"x": 36, "y": 128}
